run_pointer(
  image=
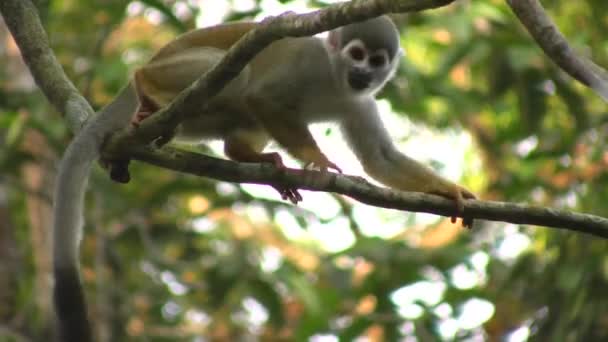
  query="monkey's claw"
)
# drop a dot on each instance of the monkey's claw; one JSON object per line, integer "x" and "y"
{"x": 324, "y": 166}
{"x": 289, "y": 194}
{"x": 138, "y": 117}
{"x": 334, "y": 167}
{"x": 459, "y": 195}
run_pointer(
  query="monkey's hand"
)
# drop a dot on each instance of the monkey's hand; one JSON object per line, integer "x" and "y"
{"x": 315, "y": 159}
{"x": 459, "y": 195}
{"x": 323, "y": 166}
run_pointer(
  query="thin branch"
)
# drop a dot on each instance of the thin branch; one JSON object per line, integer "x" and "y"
{"x": 533, "y": 16}
{"x": 365, "y": 192}
{"x": 21, "y": 17}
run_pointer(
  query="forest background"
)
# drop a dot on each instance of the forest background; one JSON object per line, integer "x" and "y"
{"x": 176, "y": 257}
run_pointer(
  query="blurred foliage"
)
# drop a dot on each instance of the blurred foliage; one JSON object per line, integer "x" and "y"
{"x": 174, "y": 257}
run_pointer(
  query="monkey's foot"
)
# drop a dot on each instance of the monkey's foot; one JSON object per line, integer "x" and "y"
{"x": 288, "y": 194}
{"x": 140, "y": 116}
{"x": 459, "y": 195}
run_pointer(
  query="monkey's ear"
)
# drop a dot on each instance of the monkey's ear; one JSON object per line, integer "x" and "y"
{"x": 333, "y": 39}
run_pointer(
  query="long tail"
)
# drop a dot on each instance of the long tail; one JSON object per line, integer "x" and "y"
{"x": 70, "y": 188}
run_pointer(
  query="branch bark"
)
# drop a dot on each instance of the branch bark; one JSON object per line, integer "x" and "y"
{"x": 533, "y": 16}
{"x": 366, "y": 192}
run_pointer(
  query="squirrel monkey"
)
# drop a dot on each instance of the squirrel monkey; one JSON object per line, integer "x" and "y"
{"x": 290, "y": 84}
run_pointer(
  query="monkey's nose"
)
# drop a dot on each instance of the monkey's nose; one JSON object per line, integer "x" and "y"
{"x": 359, "y": 79}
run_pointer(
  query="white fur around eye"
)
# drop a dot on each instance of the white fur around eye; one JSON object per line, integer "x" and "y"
{"x": 350, "y": 51}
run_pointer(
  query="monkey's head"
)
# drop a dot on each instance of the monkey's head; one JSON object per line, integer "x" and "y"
{"x": 365, "y": 55}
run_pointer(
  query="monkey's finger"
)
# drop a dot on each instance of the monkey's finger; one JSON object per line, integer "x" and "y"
{"x": 139, "y": 117}
{"x": 467, "y": 194}
{"x": 454, "y": 195}
{"x": 295, "y": 196}
{"x": 467, "y": 222}
{"x": 459, "y": 196}
{"x": 323, "y": 166}
{"x": 289, "y": 194}
{"x": 334, "y": 166}
{"x": 459, "y": 202}
{"x": 307, "y": 165}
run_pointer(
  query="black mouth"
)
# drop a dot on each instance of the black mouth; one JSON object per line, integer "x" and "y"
{"x": 359, "y": 80}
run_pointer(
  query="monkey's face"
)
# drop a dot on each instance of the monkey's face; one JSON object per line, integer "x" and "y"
{"x": 365, "y": 71}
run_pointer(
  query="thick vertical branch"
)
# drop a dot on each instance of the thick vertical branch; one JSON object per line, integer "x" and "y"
{"x": 38, "y": 175}
{"x": 9, "y": 262}
{"x": 21, "y": 17}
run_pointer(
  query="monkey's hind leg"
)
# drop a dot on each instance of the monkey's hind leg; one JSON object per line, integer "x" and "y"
{"x": 290, "y": 133}
{"x": 147, "y": 106}
{"x": 247, "y": 146}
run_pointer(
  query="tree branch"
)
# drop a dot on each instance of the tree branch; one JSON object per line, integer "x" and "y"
{"x": 533, "y": 16}
{"x": 366, "y": 192}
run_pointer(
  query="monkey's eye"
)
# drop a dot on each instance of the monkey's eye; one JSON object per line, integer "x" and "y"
{"x": 377, "y": 61}
{"x": 357, "y": 53}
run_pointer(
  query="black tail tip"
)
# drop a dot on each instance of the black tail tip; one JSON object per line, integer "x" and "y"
{"x": 70, "y": 306}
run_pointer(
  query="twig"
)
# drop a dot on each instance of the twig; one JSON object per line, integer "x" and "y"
{"x": 533, "y": 16}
